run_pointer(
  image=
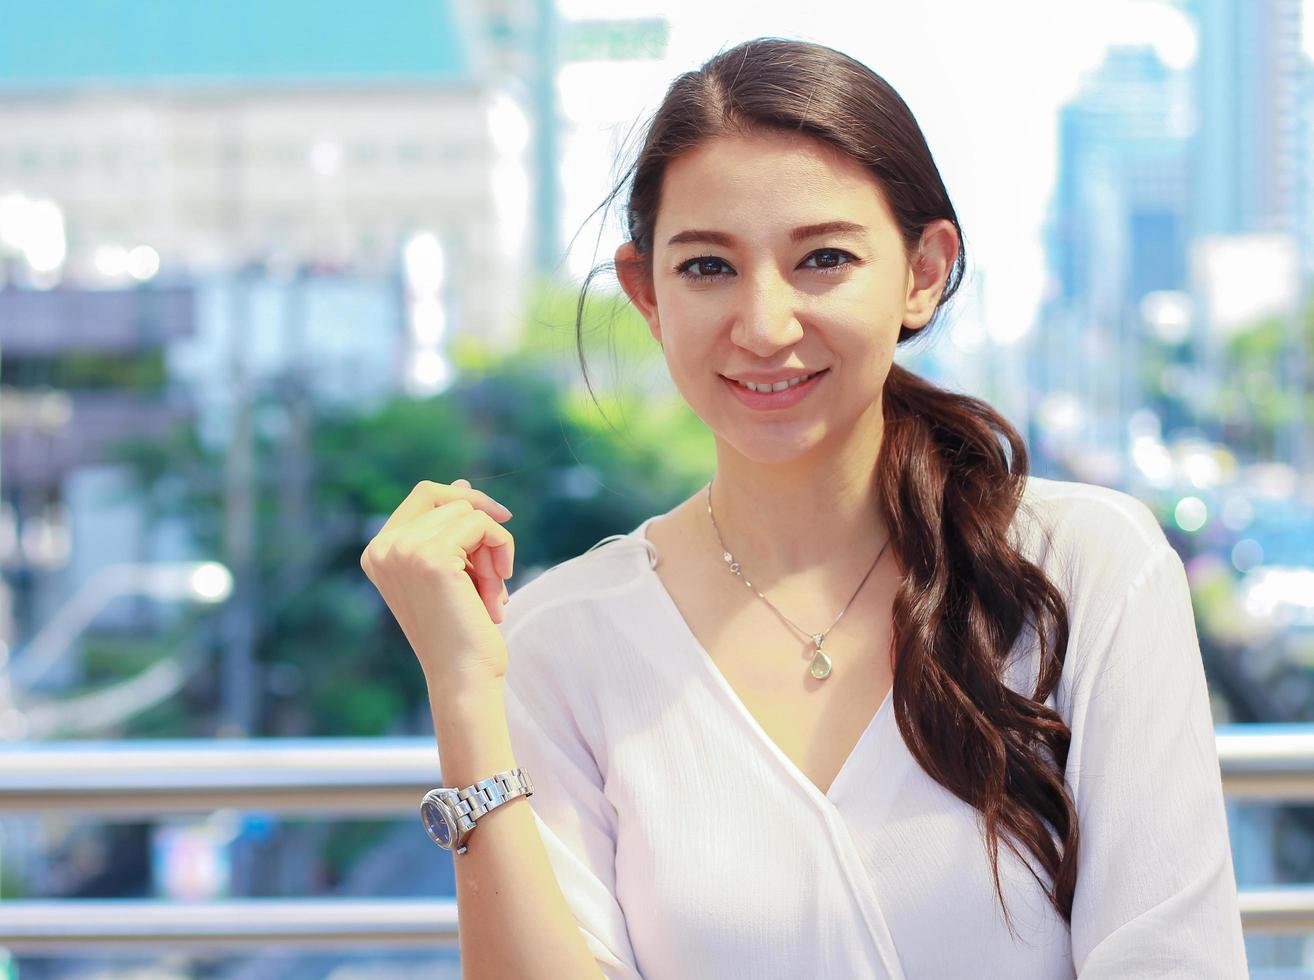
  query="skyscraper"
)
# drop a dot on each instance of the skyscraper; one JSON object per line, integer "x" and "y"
{"x": 1251, "y": 145}
{"x": 1116, "y": 232}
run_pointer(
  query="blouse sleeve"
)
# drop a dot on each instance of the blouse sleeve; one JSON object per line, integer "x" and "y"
{"x": 1156, "y": 891}
{"x": 575, "y": 819}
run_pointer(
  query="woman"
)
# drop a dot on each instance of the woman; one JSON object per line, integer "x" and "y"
{"x": 872, "y": 703}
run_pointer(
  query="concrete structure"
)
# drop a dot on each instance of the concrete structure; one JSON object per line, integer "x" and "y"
{"x": 329, "y": 140}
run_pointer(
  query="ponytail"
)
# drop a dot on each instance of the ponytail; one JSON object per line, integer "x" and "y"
{"x": 950, "y": 492}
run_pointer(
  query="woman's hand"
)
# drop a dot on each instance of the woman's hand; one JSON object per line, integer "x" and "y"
{"x": 440, "y": 562}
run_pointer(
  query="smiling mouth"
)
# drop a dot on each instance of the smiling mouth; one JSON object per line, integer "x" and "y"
{"x": 779, "y": 386}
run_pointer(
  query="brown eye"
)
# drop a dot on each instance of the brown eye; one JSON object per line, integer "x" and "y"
{"x": 829, "y": 256}
{"x": 707, "y": 266}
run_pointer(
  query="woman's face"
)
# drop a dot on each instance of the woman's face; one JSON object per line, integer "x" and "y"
{"x": 775, "y": 251}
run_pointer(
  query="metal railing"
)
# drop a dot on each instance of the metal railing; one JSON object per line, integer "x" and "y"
{"x": 60, "y": 925}
{"x": 387, "y": 777}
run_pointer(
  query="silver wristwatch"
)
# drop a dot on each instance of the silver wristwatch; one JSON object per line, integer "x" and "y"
{"x": 449, "y": 814}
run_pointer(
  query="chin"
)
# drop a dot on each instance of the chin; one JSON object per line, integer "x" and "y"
{"x": 771, "y": 443}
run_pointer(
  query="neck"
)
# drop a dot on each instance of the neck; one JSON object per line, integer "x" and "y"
{"x": 815, "y": 519}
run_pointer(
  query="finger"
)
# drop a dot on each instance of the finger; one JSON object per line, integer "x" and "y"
{"x": 428, "y": 495}
{"x": 477, "y": 532}
{"x": 488, "y": 583}
{"x": 487, "y": 566}
{"x": 478, "y": 498}
{"x": 465, "y": 531}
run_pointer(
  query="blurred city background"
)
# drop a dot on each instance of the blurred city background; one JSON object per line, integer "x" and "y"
{"x": 266, "y": 265}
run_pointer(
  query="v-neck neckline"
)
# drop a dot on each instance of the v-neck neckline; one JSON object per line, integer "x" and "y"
{"x": 719, "y": 680}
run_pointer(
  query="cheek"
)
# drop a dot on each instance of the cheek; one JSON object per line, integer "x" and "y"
{"x": 876, "y": 299}
{"x": 688, "y": 325}
{"x": 683, "y": 305}
{"x": 857, "y": 327}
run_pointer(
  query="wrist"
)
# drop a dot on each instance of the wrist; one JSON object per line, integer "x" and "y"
{"x": 459, "y": 691}
{"x": 469, "y": 723}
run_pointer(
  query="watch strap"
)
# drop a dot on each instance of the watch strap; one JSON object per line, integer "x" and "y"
{"x": 487, "y": 794}
{"x": 469, "y": 803}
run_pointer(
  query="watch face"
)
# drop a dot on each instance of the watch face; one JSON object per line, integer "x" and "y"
{"x": 436, "y": 822}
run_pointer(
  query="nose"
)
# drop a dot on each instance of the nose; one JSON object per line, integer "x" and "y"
{"x": 765, "y": 319}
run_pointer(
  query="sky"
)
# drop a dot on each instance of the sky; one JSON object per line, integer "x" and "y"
{"x": 985, "y": 81}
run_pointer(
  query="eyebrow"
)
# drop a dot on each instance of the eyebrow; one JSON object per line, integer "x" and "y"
{"x": 799, "y": 234}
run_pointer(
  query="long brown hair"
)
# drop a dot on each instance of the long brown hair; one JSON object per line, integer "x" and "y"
{"x": 948, "y": 488}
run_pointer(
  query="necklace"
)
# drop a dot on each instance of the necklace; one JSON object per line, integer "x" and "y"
{"x": 821, "y": 664}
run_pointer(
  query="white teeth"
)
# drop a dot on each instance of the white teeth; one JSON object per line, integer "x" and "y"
{"x": 778, "y": 386}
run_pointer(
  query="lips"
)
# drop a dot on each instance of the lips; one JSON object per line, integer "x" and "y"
{"x": 768, "y": 391}
{"x": 775, "y": 400}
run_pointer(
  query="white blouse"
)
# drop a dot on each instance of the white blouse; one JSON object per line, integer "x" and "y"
{"x": 690, "y": 846}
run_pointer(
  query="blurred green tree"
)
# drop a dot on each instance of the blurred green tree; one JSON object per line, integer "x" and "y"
{"x": 333, "y": 660}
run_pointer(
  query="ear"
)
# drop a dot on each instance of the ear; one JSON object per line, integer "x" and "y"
{"x": 632, "y": 271}
{"x": 929, "y": 271}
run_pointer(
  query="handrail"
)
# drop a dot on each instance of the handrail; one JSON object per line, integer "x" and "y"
{"x": 52, "y": 926}
{"x": 284, "y": 775}
{"x": 388, "y": 776}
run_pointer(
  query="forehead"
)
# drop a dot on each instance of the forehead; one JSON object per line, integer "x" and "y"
{"x": 770, "y": 176}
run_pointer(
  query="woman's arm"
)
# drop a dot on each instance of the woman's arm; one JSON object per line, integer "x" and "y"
{"x": 513, "y": 916}
{"x": 1156, "y": 893}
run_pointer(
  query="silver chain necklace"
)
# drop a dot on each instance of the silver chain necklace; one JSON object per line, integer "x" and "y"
{"x": 821, "y": 664}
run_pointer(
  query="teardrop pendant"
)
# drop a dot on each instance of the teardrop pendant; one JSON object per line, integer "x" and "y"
{"x": 820, "y": 667}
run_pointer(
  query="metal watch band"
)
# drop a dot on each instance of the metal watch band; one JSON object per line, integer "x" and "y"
{"x": 472, "y": 802}
{"x": 478, "y": 798}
